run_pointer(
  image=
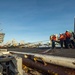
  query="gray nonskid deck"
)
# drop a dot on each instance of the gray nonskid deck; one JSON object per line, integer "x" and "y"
{"x": 56, "y": 52}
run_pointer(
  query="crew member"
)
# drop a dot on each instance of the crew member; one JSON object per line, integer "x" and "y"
{"x": 61, "y": 38}
{"x": 65, "y": 44}
{"x": 53, "y": 39}
{"x": 68, "y": 35}
{"x": 72, "y": 40}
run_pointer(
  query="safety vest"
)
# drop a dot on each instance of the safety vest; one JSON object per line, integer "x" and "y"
{"x": 54, "y": 37}
{"x": 68, "y": 35}
{"x": 64, "y": 36}
{"x": 61, "y": 37}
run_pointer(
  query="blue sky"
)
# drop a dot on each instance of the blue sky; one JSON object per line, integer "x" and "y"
{"x": 35, "y": 20}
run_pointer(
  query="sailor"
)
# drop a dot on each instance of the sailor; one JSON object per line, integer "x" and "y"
{"x": 65, "y": 44}
{"x": 68, "y": 36}
{"x": 61, "y": 38}
{"x": 53, "y": 39}
{"x": 72, "y": 40}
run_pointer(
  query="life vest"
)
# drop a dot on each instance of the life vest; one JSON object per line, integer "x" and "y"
{"x": 61, "y": 37}
{"x": 64, "y": 36}
{"x": 54, "y": 37}
{"x": 68, "y": 35}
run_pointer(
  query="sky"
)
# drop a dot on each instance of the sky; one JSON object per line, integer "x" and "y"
{"x": 35, "y": 20}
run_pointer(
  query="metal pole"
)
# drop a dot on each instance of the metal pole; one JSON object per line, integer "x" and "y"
{"x": 48, "y": 69}
{"x": 62, "y": 61}
{"x": 74, "y": 24}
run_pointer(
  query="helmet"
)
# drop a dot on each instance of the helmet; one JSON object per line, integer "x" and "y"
{"x": 67, "y": 30}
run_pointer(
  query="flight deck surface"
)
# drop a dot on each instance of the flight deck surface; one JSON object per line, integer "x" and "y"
{"x": 55, "y": 52}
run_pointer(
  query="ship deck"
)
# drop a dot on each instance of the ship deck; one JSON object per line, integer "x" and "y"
{"x": 55, "y": 52}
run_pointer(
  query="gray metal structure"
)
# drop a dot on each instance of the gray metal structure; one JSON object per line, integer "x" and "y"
{"x": 10, "y": 64}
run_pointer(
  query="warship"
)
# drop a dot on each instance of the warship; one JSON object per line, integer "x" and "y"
{"x": 36, "y": 61}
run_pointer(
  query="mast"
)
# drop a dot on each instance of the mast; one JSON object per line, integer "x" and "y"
{"x": 74, "y": 24}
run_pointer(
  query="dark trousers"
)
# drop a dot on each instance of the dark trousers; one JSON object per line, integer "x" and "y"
{"x": 72, "y": 43}
{"x": 53, "y": 44}
{"x": 65, "y": 44}
{"x": 61, "y": 43}
{"x": 68, "y": 42}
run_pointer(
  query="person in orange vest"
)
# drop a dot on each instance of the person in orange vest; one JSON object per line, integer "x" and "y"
{"x": 61, "y": 38}
{"x": 65, "y": 44}
{"x": 72, "y": 40}
{"x": 53, "y": 39}
{"x": 68, "y": 36}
